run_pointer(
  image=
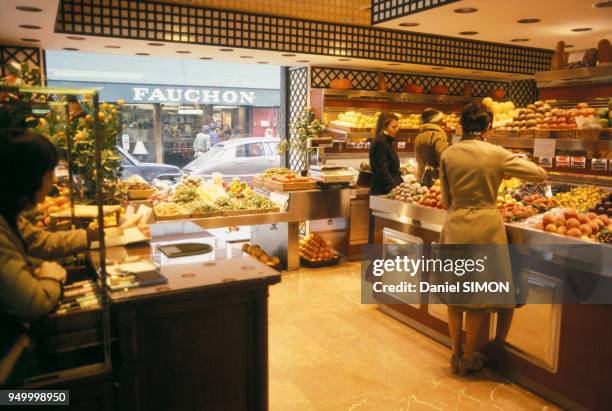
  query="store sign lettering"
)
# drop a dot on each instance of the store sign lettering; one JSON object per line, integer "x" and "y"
{"x": 191, "y": 95}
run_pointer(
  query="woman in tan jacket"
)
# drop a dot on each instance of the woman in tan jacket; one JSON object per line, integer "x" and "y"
{"x": 470, "y": 174}
{"x": 27, "y": 173}
{"x": 430, "y": 143}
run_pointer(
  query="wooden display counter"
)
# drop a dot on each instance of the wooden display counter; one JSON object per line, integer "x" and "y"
{"x": 198, "y": 342}
{"x": 560, "y": 351}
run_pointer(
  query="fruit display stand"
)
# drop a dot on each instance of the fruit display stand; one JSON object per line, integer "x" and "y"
{"x": 545, "y": 340}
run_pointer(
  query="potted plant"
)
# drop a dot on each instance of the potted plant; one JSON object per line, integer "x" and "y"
{"x": 305, "y": 127}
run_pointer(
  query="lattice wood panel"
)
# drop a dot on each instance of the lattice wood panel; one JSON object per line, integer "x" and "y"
{"x": 383, "y": 10}
{"x": 146, "y": 20}
{"x": 19, "y": 54}
{"x": 321, "y": 77}
{"x": 523, "y": 92}
{"x": 298, "y": 100}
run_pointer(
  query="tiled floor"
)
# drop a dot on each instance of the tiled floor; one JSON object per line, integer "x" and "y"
{"x": 329, "y": 352}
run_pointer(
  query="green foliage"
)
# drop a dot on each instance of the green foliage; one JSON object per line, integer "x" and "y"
{"x": 305, "y": 127}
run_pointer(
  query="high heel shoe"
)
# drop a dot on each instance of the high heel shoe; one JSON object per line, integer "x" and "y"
{"x": 466, "y": 365}
{"x": 454, "y": 363}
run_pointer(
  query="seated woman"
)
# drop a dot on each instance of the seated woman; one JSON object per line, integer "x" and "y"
{"x": 27, "y": 172}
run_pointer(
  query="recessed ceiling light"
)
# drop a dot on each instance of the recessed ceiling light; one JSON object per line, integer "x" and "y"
{"x": 394, "y": 64}
{"x": 30, "y": 27}
{"x": 155, "y": 44}
{"x": 142, "y": 54}
{"x": 112, "y": 47}
{"x": 288, "y": 55}
{"x": 409, "y": 24}
{"x": 206, "y": 58}
{"x": 569, "y": 46}
{"x": 246, "y": 57}
{"x": 465, "y": 10}
{"x": 29, "y": 9}
{"x": 344, "y": 59}
{"x": 438, "y": 68}
{"x": 476, "y": 72}
{"x": 529, "y": 21}
{"x": 522, "y": 40}
{"x": 70, "y": 49}
{"x": 468, "y": 33}
{"x": 183, "y": 51}
{"x": 75, "y": 38}
{"x": 262, "y": 62}
{"x": 602, "y": 4}
{"x": 31, "y": 40}
{"x": 579, "y": 29}
{"x": 303, "y": 61}
{"x": 226, "y": 49}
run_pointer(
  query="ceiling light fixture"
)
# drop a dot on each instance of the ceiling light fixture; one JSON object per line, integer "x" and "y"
{"x": 29, "y": 9}
{"x": 226, "y": 49}
{"x": 30, "y": 27}
{"x": 142, "y": 54}
{"x": 438, "y": 68}
{"x": 603, "y": 4}
{"x": 288, "y": 55}
{"x": 344, "y": 59}
{"x": 206, "y": 58}
{"x": 112, "y": 47}
{"x": 183, "y": 52}
{"x": 31, "y": 40}
{"x": 528, "y": 21}
{"x": 569, "y": 46}
{"x": 466, "y": 10}
{"x": 468, "y": 33}
{"x": 476, "y": 72}
{"x": 246, "y": 57}
{"x": 156, "y": 44}
{"x": 408, "y": 24}
{"x": 521, "y": 40}
{"x": 262, "y": 62}
{"x": 75, "y": 38}
{"x": 303, "y": 61}
{"x": 70, "y": 49}
{"x": 580, "y": 29}
{"x": 394, "y": 64}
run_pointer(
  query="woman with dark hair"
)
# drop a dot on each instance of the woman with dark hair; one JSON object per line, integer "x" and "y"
{"x": 27, "y": 173}
{"x": 470, "y": 174}
{"x": 384, "y": 161}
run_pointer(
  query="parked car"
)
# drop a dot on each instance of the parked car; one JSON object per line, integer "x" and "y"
{"x": 148, "y": 171}
{"x": 241, "y": 157}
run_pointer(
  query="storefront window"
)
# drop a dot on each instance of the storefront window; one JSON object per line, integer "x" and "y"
{"x": 138, "y": 134}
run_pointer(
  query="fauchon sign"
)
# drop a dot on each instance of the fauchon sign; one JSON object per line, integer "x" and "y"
{"x": 192, "y": 95}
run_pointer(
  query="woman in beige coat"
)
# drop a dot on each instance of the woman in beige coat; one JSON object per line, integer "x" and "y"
{"x": 430, "y": 143}
{"x": 27, "y": 172}
{"x": 470, "y": 174}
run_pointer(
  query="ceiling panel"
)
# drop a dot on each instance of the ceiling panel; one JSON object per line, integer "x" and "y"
{"x": 497, "y": 21}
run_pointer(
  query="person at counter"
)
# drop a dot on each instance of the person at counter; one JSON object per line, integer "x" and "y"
{"x": 430, "y": 143}
{"x": 27, "y": 173}
{"x": 384, "y": 161}
{"x": 470, "y": 174}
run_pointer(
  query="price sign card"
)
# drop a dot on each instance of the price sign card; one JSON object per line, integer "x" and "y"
{"x": 545, "y": 162}
{"x": 544, "y": 147}
{"x": 401, "y": 145}
{"x": 599, "y": 164}
{"x": 578, "y": 162}
{"x": 562, "y": 161}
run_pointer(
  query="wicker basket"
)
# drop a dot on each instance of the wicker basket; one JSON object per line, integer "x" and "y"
{"x": 528, "y": 133}
{"x": 141, "y": 194}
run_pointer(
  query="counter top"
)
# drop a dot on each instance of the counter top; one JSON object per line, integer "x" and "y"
{"x": 225, "y": 266}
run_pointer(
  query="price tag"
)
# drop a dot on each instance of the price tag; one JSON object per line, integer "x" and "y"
{"x": 544, "y": 147}
{"x": 599, "y": 164}
{"x": 401, "y": 145}
{"x": 562, "y": 161}
{"x": 548, "y": 191}
{"x": 545, "y": 162}
{"x": 281, "y": 199}
{"x": 578, "y": 162}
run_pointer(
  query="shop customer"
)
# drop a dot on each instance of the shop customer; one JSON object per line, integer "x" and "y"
{"x": 27, "y": 172}
{"x": 430, "y": 143}
{"x": 202, "y": 142}
{"x": 470, "y": 174}
{"x": 384, "y": 161}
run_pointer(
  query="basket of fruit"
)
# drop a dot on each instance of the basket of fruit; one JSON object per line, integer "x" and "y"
{"x": 169, "y": 212}
{"x": 138, "y": 190}
{"x": 257, "y": 252}
{"x": 315, "y": 252}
